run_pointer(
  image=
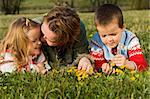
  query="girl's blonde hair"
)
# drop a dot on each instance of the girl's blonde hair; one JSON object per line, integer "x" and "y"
{"x": 16, "y": 39}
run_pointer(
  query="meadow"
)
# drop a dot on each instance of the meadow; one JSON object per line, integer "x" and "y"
{"x": 67, "y": 83}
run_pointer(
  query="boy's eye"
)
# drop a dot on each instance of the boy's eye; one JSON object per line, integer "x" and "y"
{"x": 113, "y": 34}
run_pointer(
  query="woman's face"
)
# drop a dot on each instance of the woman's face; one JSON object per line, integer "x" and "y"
{"x": 49, "y": 35}
{"x": 34, "y": 41}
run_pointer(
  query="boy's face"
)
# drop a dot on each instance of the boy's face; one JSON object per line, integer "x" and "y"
{"x": 110, "y": 34}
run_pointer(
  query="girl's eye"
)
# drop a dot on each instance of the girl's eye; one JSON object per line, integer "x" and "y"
{"x": 33, "y": 41}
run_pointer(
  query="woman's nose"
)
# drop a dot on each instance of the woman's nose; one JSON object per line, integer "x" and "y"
{"x": 44, "y": 37}
{"x": 39, "y": 42}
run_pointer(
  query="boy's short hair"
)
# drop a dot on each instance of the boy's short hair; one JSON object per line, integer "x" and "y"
{"x": 107, "y": 12}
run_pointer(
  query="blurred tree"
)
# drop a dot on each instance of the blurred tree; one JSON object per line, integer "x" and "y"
{"x": 58, "y": 2}
{"x": 140, "y": 4}
{"x": 10, "y": 6}
{"x": 72, "y": 3}
{"x": 64, "y": 3}
{"x": 96, "y": 3}
{"x": 93, "y": 3}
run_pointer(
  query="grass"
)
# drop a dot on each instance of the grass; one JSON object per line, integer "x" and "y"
{"x": 61, "y": 84}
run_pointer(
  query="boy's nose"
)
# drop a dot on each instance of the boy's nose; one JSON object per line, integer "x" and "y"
{"x": 109, "y": 38}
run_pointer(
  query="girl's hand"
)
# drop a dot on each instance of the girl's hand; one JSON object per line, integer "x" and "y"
{"x": 119, "y": 60}
{"x": 1, "y": 59}
{"x": 40, "y": 68}
{"x": 84, "y": 64}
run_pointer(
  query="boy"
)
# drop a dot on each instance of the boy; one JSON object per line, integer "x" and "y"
{"x": 113, "y": 43}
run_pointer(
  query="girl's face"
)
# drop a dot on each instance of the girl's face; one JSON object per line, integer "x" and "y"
{"x": 34, "y": 43}
{"x": 110, "y": 34}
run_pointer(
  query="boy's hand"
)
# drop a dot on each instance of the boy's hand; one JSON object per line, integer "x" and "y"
{"x": 107, "y": 69}
{"x": 119, "y": 60}
{"x": 84, "y": 64}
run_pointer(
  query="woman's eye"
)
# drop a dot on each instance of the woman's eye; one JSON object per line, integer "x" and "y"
{"x": 103, "y": 35}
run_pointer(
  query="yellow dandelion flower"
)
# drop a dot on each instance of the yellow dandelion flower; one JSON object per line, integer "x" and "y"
{"x": 70, "y": 70}
{"x": 95, "y": 76}
{"x": 73, "y": 67}
{"x": 137, "y": 75}
{"x": 122, "y": 67}
{"x": 119, "y": 71}
{"x": 99, "y": 74}
{"x": 112, "y": 64}
{"x": 75, "y": 70}
{"x": 133, "y": 72}
{"x": 132, "y": 78}
{"x": 55, "y": 71}
{"x": 90, "y": 35}
{"x": 84, "y": 75}
{"x": 79, "y": 78}
{"x": 77, "y": 73}
{"x": 80, "y": 72}
{"x": 91, "y": 71}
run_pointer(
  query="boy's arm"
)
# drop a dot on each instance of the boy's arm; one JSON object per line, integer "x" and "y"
{"x": 136, "y": 55}
{"x": 98, "y": 58}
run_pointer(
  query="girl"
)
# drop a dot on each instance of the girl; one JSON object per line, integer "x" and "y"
{"x": 21, "y": 48}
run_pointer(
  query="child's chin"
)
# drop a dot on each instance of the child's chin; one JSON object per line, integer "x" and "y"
{"x": 36, "y": 52}
{"x": 112, "y": 46}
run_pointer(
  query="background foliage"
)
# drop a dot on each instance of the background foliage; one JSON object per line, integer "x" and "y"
{"x": 40, "y": 6}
